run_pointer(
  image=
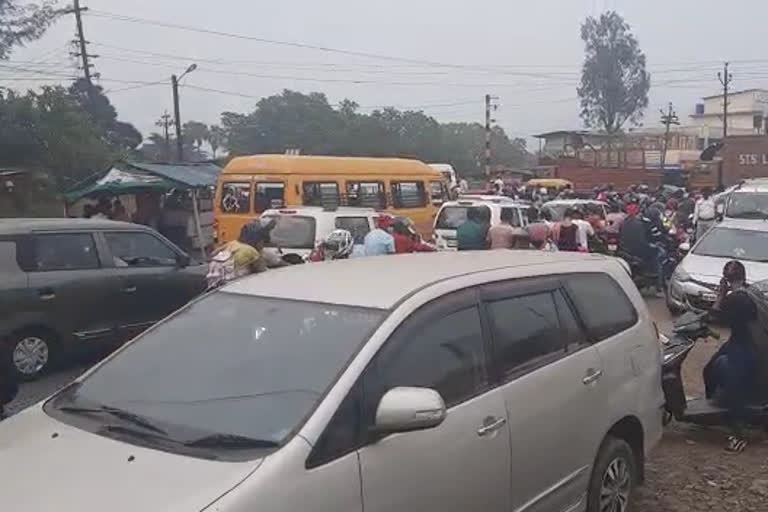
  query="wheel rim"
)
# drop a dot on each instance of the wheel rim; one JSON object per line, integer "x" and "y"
{"x": 617, "y": 484}
{"x": 30, "y": 355}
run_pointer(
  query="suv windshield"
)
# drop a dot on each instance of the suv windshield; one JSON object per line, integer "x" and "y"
{"x": 227, "y": 367}
{"x": 748, "y": 205}
{"x": 734, "y": 243}
{"x": 451, "y": 217}
{"x": 293, "y": 232}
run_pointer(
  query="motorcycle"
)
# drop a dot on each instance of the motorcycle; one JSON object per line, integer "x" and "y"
{"x": 646, "y": 277}
{"x": 687, "y": 330}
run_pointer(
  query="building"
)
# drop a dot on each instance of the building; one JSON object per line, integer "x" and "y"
{"x": 747, "y": 112}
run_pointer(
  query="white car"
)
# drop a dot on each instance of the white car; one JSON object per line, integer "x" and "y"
{"x": 748, "y": 200}
{"x": 440, "y": 382}
{"x": 694, "y": 283}
{"x": 299, "y": 229}
{"x": 558, "y": 207}
{"x": 453, "y": 214}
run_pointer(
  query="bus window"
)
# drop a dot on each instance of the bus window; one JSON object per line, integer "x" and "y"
{"x": 368, "y": 194}
{"x": 325, "y": 194}
{"x": 408, "y": 194}
{"x": 236, "y": 197}
{"x": 269, "y": 195}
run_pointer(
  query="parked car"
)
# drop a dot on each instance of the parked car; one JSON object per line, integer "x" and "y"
{"x": 695, "y": 281}
{"x": 298, "y": 230}
{"x": 447, "y": 382}
{"x": 69, "y": 284}
{"x": 558, "y": 207}
{"x": 453, "y": 214}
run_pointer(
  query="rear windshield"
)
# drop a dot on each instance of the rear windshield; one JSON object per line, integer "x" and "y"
{"x": 451, "y": 217}
{"x": 748, "y": 205}
{"x": 228, "y": 368}
{"x": 293, "y": 232}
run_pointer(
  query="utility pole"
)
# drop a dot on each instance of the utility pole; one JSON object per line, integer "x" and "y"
{"x": 725, "y": 78}
{"x": 164, "y": 122}
{"x": 488, "y": 106}
{"x": 176, "y": 114}
{"x": 81, "y": 42}
{"x": 667, "y": 119}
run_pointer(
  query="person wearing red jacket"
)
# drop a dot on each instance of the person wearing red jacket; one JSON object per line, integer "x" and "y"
{"x": 406, "y": 238}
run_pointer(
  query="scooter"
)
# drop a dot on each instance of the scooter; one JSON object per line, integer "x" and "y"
{"x": 689, "y": 328}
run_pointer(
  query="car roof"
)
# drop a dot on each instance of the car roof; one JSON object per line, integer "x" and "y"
{"x": 319, "y": 210}
{"x": 485, "y": 197}
{"x": 25, "y": 225}
{"x": 383, "y": 281}
{"x": 757, "y": 185}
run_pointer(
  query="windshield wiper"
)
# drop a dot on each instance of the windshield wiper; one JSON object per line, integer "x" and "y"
{"x": 130, "y": 417}
{"x": 230, "y": 441}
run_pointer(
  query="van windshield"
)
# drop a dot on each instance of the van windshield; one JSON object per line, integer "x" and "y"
{"x": 451, "y": 217}
{"x": 293, "y": 232}
{"x": 226, "y": 367}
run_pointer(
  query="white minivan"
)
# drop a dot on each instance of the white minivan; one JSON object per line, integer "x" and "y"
{"x": 440, "y": 382}
{"x": 453, "y": 214}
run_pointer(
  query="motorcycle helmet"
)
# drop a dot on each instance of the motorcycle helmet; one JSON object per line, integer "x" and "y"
{"x": 403, "y": 225}
{"x": 338, "y": 244}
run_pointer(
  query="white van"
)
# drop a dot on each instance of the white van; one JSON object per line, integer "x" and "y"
{"x": 298, "y": 230}
{"x": 453, "y": 214}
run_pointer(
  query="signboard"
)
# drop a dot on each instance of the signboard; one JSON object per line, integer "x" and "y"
{"x": 749, "y": 159}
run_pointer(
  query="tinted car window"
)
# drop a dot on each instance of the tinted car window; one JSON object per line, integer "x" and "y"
{"x": 602, "y": 304}
{"x": 515, "y": 221}
{"x": 358, "y": 226}
{"x": 230, "y": 364}
{"x": 8, "y": 261}
{"x": 443, "y": 353}
{"x": 571, "y": 330}
{"x": 64, "y": 251}
{"x": 526, "y": 330}
{"x": 451, "y": 217}
{"x": 408, "y": 194}
{"x": 134, "y": 249}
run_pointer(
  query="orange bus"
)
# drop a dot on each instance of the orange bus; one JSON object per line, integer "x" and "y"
{"x": 252, "y": 184}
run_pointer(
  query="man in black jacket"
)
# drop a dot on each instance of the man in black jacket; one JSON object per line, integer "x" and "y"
{"x": 9, "y": 386}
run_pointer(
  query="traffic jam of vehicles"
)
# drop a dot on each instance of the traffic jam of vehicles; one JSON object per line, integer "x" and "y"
{"x": 353, "y": 317}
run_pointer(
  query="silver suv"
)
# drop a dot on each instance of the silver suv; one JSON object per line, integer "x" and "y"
{"x": 441, "y": 382}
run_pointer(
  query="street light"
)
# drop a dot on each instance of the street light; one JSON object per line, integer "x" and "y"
{"x": 175, "y": 85}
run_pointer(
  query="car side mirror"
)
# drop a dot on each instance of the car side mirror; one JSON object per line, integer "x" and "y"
{"x": 182, "y": 260}
{"x": 403, "y": 409}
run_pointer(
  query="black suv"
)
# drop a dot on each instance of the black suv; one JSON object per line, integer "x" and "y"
{"x": 67, "y": 284}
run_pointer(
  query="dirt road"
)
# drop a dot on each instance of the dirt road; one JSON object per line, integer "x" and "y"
{"x": 690, "y": 471}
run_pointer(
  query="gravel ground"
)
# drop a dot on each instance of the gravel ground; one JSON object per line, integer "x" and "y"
{"x": 688, "y": 472}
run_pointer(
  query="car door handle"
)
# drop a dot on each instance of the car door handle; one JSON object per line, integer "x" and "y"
{"x": 129, "y": 289}
{"x": 46, "y": 294}
{"x": 491, "y": 425}
{"x": 592, "y": 376}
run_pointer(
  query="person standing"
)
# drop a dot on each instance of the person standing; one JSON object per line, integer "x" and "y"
{"x": 379, "y": 241}
{"x": 503, "y": 235}
{"x": 472, "y": 234}
{"x": 704, "y": 213}
{"x": 568, "y": 234}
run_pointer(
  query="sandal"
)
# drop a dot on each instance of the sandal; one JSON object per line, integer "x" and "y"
{"x": 736, "y": 444}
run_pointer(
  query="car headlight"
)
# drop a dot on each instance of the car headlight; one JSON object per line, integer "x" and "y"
{"x": 680, "y": 274}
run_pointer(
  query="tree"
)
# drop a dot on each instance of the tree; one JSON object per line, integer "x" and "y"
{"x": 20, "y": 24}
{"x": 614, "y": 82}
{"x": 217, "y": 138}
{"x": 196, "y": 133}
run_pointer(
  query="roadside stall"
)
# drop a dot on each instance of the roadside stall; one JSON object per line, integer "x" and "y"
{"x": 174, "y": 199}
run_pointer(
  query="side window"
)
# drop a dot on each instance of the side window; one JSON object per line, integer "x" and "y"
{"x": 269, "y": 195}
{"x": 408, "y": 194}
{"x": 358, "y": 226}
{"x": 368, "y": 194}
{"x": 8, "y": 256}
{"x": 324, "y": 194}
{"x": 526, "y": 332}
{"x": 236, "y": 197}
{"x": 437, "y": 192}
{"x": 135, "y": 249}
{"x": 602, "y": 304}
{"x": 572, "y": 333}
{"x": 514, "y": 215}
{"x": 64, "y": 251}
{"x": 443, "y": 352}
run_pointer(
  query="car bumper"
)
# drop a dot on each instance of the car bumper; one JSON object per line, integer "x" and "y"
{"x": 690, "y": 296}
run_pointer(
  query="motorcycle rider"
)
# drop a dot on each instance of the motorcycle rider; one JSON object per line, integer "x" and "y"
{"x": 730, "y": 374}
{"x": 240, "y": 257}
{"x": 337, "y": 245}
{"x": 642, "y": 236}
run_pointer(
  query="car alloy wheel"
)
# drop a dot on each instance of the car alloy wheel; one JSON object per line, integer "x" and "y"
{"x": 30, "y": 355}
{"x": 616, "y": 486}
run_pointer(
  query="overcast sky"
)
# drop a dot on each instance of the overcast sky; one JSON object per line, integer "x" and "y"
{"x": 446, "y": 54}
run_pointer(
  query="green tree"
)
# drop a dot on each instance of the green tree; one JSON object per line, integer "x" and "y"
{"x": 614, "y": 83}
{"x": 20, "y": 24}
{"x": 217, "y": 138}
{"x": 196, "y": 133}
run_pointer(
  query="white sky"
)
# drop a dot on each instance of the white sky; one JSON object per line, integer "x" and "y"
{"x": 528, "y": 53}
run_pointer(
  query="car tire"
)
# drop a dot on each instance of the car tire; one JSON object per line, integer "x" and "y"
{"x": 615, "y": 477}
{"x": 31, "y": 353}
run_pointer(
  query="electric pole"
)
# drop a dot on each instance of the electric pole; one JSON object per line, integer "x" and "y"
{"x": 488, "y": 106}
{"x": 81, "y": 42}
{"x": 667, "y": 119}
{"x": 164, "y": 122}
{"x": 725, "y": 78}
{"x": 176, "y": 111}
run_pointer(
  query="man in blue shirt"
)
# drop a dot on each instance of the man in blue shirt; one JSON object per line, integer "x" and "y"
{"x": 472, "y": 234}
{"x": 379, "y": 241}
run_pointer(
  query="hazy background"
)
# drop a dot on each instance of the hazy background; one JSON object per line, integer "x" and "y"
{"x": 528, "y": 53}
